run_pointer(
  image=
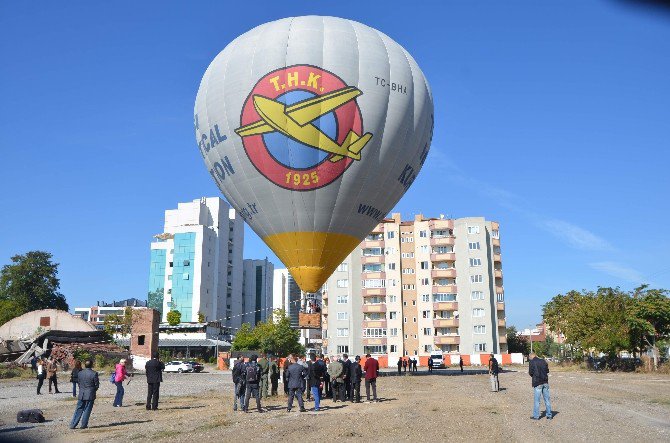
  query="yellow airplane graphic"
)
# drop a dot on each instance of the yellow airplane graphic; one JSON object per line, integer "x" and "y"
{"x": 295, "y": 121}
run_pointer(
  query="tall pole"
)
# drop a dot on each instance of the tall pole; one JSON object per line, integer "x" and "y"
{"x": 530, "y": 337}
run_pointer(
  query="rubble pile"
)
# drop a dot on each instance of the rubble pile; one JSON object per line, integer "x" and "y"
{"x": 65, "y": 352}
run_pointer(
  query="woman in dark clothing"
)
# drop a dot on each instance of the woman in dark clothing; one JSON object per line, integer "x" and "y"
{"x": 326, "y": 381}
{"x": 74, "y": 377}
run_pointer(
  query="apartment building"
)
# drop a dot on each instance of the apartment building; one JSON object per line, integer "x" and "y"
{"x": 414, "y": 287}
{"x": 96, "y": 314}
{"x": 196, "y": 263}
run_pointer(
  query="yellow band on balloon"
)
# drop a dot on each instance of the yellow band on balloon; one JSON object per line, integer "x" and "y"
{"x": 311, "y": 256}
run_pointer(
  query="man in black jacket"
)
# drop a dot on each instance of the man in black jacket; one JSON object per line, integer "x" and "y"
{"x": 238, "y": 380}
{"x": 252, "y": 377}
{"x": 494, "y": 369}
{"x": 317, "y": 371}
{"x": 154, "y": 370}
{"x": 88, "y": 386}
{"x": 296, "y": 375}
{"x": 538, "y": 369}
{"x": 356, "y": 375}
{"x": 346, "y": 369}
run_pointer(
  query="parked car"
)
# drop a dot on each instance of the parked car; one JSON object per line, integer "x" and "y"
{"x": 197, "y": 367}
{"x": 178, "y": 366}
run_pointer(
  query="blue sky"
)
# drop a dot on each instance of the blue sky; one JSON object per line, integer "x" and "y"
{"x": 551, "y": 119}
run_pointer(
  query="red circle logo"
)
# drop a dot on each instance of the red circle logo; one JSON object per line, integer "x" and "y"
{"x": 301, "y": 127}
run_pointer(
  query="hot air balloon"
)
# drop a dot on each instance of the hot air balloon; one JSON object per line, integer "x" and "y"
{"x": 313, "y": 128}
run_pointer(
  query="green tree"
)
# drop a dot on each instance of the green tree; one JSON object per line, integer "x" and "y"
{"x": 245, "y": 340}
{"x": 201, "y": 317}
{"x": 516, "y": 343}
{"x": 120, "y": 324}
{"x": 29, "y": 283}
{"x": 174, "y": 318}
{"x": 155, "y": 300}
{"x": 649, "y": 319}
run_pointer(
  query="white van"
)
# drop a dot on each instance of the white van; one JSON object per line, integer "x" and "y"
{"x": 438, "y": 359}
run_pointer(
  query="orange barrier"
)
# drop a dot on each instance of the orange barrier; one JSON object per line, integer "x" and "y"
{"x": 507, "y": 359}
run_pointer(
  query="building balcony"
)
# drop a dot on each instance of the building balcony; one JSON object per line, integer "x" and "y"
{"x": 500, "y": 306}
{"x": 501, "y": 322}
{"x": 497, "y": 257}
{"x": 443, "y": 273}
{"x": 445, "y": 306}
{"x": 445, "y": 322}
{"x": 371, "y": 275}
{"x": 447, "y": 340}
{"x": 449, "y": 256}
{"x": 497, "y": 273}
{"x": 443, "y": 241}
{"x": 502, "y": 339}
{"x": 372, "y": 259}
{"x": 374, "y": 341}
{"x": 445, "y": 289}
{"x": 372, "y": 243}
{"x": 374, "y": 323}
{"x": 377, "y": 307}
{"x": 373, "y": 292}
{"x": 495, "y": 241}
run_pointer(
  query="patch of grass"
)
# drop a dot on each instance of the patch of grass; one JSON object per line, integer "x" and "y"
{"x": 167, "y": 434}
{"x": 214, "y": 424}
{"x": 661, "y": 401}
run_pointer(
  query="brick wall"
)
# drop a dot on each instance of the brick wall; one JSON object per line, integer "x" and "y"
{"x": 144, "y": 333}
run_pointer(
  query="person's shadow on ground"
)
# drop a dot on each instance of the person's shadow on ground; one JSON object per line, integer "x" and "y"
{"x": 119, "y": 423}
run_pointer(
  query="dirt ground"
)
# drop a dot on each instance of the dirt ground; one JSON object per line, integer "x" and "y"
{"x": 588, "y": 406}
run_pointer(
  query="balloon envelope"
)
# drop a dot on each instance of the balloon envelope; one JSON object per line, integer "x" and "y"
{"x": 313, "y": 128}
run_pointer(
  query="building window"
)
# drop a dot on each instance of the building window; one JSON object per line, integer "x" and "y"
{"x": 425, "y": 314}
{"x": 169, "y": 291}
{"x": 373, "y": 252}
{"x": 186, "y": 276}
{"x": 404, "y": 303}
{"x": 170, "y": 277}
{"x": 473, "y": 229}
{"x": 374, "y": 332}
{"x": 425, "y": 297}
{"x": 342, "y": 299}
{"x": 423, "y": 234}
{"x": 187, "y": 262}
{"x": 477, "y": 278}
{"x": 439, "y": 233}
{"x": 390, "y": 235}
{"x": 393, "y": 332}
{"x": 140, "y": 340}
{"x": 408, "y": 271}
{"x": 391, "y": 266}
{"x": 407, "y": 255}
{"x": 413, "y": 319}
{"x": 425, "y": 281}
{"x": 500, "y": 296}
{"x": 45, "y": 321}
{"x": 409, "y": 287}
{"x": 424, "y": 265}
{"x": 405, "y": 336}
{"x": 478, "y": 312}
{"x": 475, "y": 262}
{"x": 343, "y": 267}
{"x": 343, "y": 332}
{"x": 372, "y": 267}
{"x": 473, "y": 246}
{"x": 424, "y": 248}
{"x": 442, "y": 297}
{"x": 342, "y": 315}
{"x": 427, "y": 348}
{"x": 371, "y": 283}
{"x": 495, "y": 233}
{"x": 342, "y": 349}
{"x": 427, "y": 331}
{"x": 405, "y": 320}
{"x": 394, "y": 348}
{"x": 390, "y": 282}
{"x": 477, "y": 295}
{"x": 480, "y": 329}
{"x": 377, "y": 349}
{"x": 480, "y": 347}
{"x": 413, "y": 302}
{"x": 392, "y": 298}
{"x": 343, "y": 283}
{"x": 170, "y": 264}
{"x": 406, "y": 239}
{"x": 393, "y": 315}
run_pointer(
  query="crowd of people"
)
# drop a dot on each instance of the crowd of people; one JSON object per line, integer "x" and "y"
{"x": 317, "y": 377}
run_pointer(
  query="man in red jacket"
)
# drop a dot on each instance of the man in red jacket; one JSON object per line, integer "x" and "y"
{"x": 371, "y": 369}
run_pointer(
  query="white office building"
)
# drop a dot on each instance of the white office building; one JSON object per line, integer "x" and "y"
{"x": 196, "y": 263}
